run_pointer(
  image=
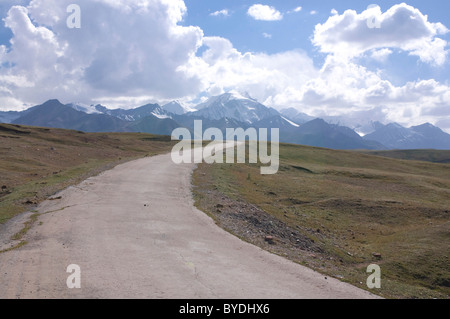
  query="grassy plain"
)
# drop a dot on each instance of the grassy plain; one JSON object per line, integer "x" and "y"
{"x": 340, "y": 211}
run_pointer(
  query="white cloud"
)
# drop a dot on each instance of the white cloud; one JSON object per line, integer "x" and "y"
{"x": 222, "y": 67}
{"x": 381, "y": 55}
{"x": 295, "y": 10}
{"x": 223, "y": 12}
{"x": 128, "y": 53}
{"x": 402, "y": 26}
{"x": 313, "y": 12}
{"x": 124, "y": 49}
{"x": 267, "y": 35}
{"x": 334, "y": 12}
{"x": 264, "y": 13}
{"x": 349, "y": 91}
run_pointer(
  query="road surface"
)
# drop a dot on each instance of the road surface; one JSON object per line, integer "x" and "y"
{"x": 135, "y": 233}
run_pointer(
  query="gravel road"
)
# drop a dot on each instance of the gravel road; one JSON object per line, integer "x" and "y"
{"x": 135, "y": 233}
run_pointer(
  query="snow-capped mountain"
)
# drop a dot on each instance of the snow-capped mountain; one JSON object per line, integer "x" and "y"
{"x": 85, "y": 108}
{"x": 177, "y": 108}
{"x": 229, "y": 110}
{"x": 234, "y": 105}
{"x": 395, "y": 136}
{"x": 136, "y": 113}
{"x": 296, "y": 116}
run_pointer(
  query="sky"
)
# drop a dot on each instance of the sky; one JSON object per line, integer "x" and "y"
{"x": 382, "y": 61}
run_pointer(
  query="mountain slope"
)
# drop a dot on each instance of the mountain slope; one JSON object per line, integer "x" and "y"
{"x": 136, "y": 113}
{"x": 234, "y": 106}
{"x": 296, "y": 116}
{"x": 8, "y": 117}
{"x": 175, "y": 107}
{"x": 153, "y": 125}
{"x": 229, "y": 110}
{"x": 57, "y": 115}
{"x": 425, "y": 136}
{"x": 321, "y": 134}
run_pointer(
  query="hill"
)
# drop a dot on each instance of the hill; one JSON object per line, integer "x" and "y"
{"x": 56, "y": 115}
{"x": 340, "y": 211}
{"x": 35, "y": 163}
{"x": 425, "y": 136}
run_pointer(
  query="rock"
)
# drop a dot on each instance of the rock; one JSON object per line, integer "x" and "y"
{"x": 269, "y": 239}
{"x": 4, "y": 188}
{"x": 377, "y": 255}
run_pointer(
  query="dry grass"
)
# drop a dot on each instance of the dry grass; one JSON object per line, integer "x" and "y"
{"x": 35, "y": 163}
{"x": 350, "y": 206}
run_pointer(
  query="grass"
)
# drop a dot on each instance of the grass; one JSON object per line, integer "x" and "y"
{"x": 36, "y": 163}
{"x": 416, "y": 155}
{"x": 27, "y": 225}
{"x": 341, "y": 207}
{"x": 329, "y": 210}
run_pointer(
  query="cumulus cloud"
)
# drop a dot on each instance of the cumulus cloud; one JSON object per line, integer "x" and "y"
{"x": 355, "y": 95}
{"x": 128, "y": 53}
{"x": 381, "y": 55}
{"x": 223, "y": 12}
{"x": 264, "y": 13}
{"x": 124, "y": 48}
{"x": 223, "y": 67}
{"x": 402, "y": 26}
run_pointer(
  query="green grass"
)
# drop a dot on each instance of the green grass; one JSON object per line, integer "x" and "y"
{"x": 26, "y": 227}
{"x": 415, "y": 155}
{"x": 350, "y": 205}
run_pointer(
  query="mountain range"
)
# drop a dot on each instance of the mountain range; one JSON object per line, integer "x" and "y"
{"x": 229, "y": 110}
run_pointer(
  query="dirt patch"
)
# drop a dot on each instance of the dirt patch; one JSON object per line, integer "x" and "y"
{"x": 10, "y": 229}
{"x": 255, "y": 226}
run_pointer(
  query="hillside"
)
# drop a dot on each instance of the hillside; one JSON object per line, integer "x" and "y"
{"x": 339, "y": 211}
{"x": 37, "y": 162}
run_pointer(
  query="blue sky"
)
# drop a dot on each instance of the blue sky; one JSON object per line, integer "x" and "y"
{"x": 315, "y": 56}
{"x": 294, "y": 31}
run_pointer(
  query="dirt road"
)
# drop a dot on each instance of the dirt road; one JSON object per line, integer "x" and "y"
{"x": 135, "y": 233}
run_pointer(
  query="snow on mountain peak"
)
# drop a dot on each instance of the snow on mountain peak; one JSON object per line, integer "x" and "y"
{"x": 177, "y": 107}
{"x": 85, "y": 108}
{"x": 290, "y": 122}
{"x": 235, "y": 95}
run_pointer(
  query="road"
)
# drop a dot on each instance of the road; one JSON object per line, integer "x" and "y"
{"x": 135, "y": 233}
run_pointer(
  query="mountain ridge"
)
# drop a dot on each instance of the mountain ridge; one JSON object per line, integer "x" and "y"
{"x": 229, "y": 110}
